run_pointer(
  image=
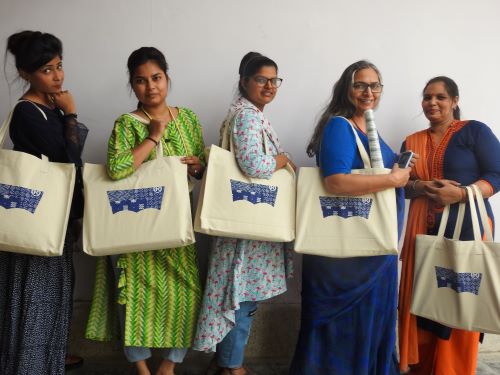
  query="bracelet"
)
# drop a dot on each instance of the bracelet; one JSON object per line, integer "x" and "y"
{"x": 72, "y": 115}
{"x": 463, "y": 194}
{"x": 414, "y": 186}
{"x": 153, "y": 140}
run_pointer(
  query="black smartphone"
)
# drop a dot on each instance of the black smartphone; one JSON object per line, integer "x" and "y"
{"x": 404, "y": 159}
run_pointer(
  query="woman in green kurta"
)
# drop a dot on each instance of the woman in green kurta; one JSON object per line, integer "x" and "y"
{"x": 159, "y": 290}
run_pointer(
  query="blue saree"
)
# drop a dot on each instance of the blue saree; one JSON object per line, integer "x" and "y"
{"x": 349, "y": 306}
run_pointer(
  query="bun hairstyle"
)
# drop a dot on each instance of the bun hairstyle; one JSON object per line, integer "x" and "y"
{"x": 143, "y": 55}
{"x": 451, "y": 89}
{"x": 250, "y": 64}
{"x": 33, "y": 49}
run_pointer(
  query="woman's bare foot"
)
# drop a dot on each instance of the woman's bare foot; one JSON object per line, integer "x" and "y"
{"x": 166, "y": 368}
{"x": 142, "y": 368}
{"x": 235, "y": 371}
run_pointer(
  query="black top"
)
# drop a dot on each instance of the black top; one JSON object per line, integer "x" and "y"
{"x": 59, "y": 138}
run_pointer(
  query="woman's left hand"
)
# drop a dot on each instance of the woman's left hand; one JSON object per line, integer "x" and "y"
{"x": 195, "y": 168}
{"x": 444, "y": 192}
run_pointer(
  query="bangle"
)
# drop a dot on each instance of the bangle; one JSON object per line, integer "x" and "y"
{"x": 463, "y": 194}
{"x": 72, "y": 115}
{"x": 414, "y": 186}
{"x": 153, "y": 140}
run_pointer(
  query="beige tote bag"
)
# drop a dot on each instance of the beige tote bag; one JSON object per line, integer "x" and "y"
{"x": 231, "y": 204}
{"x": 456, "y": 283}
{"x": 345, "y": 226}
{"x": 148, "y": 210}
{"x": 35, "y": 200}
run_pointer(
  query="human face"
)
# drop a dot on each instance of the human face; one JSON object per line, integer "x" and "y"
{"x": 150, "y": 84}
{"x": 47, "y": 79}
{"x": 437, "y": 104}
{"x": 366, "y": 99}
{"x": 261, "y": 95}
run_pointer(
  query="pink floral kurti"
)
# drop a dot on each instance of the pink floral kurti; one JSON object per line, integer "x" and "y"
{"x": 243, "y": 270}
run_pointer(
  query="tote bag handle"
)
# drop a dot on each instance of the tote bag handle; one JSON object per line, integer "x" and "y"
{"x": 227, "y": 141}
{"x": 471, "y": 190}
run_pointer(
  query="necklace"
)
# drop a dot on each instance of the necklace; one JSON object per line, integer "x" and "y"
{"x": 357, "y": 126}
{"x": 151, "y": 117}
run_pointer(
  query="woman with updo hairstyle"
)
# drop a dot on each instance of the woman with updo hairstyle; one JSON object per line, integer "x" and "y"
{"x": 36, "y": 291}
{"x": 454, "y": 153}
{"x": 158, "y": 292}
{"x": 243, "y": 272}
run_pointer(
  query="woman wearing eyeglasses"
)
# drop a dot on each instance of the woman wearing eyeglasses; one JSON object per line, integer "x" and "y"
{"x": 348, "y": 323}
{"x": 243, "y": 272}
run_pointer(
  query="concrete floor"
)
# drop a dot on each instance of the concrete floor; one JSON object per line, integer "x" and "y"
{"x": 269, "y": 350}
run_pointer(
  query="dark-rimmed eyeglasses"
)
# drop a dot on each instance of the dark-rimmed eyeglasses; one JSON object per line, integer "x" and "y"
{"x": 262, "y": 81}
{"x": 363, "y": 86}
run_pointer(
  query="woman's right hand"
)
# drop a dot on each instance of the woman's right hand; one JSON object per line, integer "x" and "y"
{"x": 399, "y": 176}
{"x": 156, "y": 129}
{"x": 64, "y": 101}
{"x": 282, "y": 160}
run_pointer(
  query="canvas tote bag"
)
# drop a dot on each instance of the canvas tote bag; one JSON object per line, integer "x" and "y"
{"x": 456, "y": 283}
{"x": 231, "y": 204}
{"x": 35, "y": 200}
{"x": 148, "y": 210}
{"x": 345, "y": 226}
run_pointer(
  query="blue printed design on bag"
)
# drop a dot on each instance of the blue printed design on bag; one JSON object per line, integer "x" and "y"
{"x": 345, "y": 207}
{"x": 460, "y": 282}
{"x": 253, "y": 193}
{"x": 136, "y": 200}
{"x": 12, "y": 196}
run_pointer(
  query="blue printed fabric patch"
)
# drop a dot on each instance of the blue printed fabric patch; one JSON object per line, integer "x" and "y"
{"x": 345, "y": 207}
{"x": 253, "y": 193}
{"x": 460, "y": 282}
{"x": 136, "y": 200}
{"x": 19, "y": 197}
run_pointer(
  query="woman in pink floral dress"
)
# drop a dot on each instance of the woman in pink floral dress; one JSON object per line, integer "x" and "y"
{"x": 243, "y": 272}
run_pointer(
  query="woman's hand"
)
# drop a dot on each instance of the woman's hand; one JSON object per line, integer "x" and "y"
{"x": 414, "y": 160}
{"x": 444, "y": 192}
{"x": 156, "y": 129}
{"x": 399, "y": 176}
{"x": 64, "y": 101}
{"x": 195, "y": 168}
{"x": 282, "y": 160}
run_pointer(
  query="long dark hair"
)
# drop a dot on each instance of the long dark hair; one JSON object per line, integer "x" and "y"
{"x": 250, "y": 64}
{"x": 341, "y": 103}
{"x": 33, "y": 49}
{"x": 451, "y": 89}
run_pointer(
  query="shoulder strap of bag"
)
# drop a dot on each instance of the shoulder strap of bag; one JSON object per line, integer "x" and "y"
{"x": 6, "y": 124}
{"x": 159, "y": 147}
{"x": 361, "y": 148}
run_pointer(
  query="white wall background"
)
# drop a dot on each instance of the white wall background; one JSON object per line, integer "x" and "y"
{"x": 312, "y": 42}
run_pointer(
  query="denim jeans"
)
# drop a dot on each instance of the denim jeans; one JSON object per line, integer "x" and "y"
{"x": 139, "y": 353}
{"x": 231, "y": 350}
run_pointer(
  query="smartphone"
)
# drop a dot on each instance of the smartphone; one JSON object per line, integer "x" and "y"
{"x": 404, "y": 159}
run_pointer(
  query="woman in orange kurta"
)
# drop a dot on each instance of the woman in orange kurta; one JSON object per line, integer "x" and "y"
{"x": 453, "y": 153}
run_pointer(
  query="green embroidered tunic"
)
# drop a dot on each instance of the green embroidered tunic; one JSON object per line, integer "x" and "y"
{"x": 160, "y": 289}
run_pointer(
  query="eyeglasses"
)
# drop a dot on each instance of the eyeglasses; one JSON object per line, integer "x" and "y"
{"x": 262, "y": 81}
{"x": 363, "y": 86}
